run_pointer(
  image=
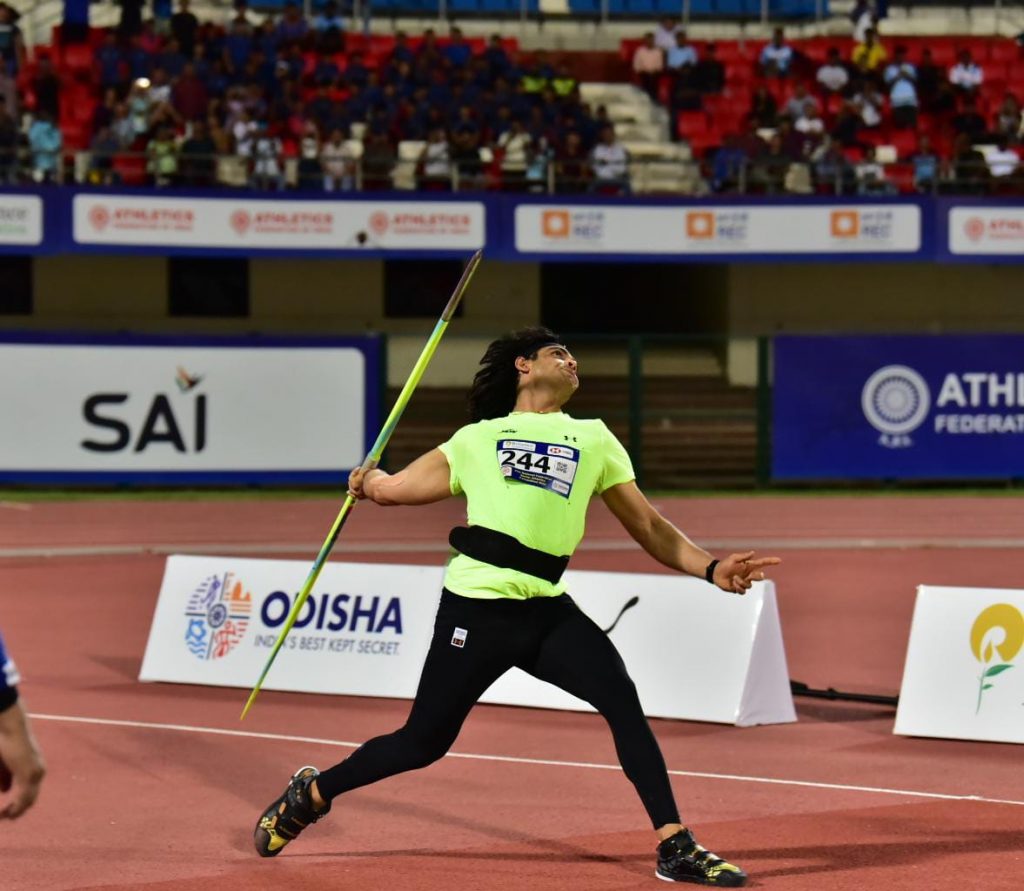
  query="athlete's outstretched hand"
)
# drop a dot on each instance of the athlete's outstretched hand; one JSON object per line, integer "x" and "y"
{"x": 737, "y": 572}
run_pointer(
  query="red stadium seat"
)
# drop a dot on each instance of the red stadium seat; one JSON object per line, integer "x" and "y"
{"x": 691, "y": 123}
{"x": 904, "y": 141}
{"x": 1004, "y": 52}
{"x": 131, "y": 169}
{"x": 77, "y": 57}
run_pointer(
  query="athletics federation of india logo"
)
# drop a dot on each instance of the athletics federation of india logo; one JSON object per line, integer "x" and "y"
{"x": 997, "y": 636}
{"x": 217, "y": 616}
{"x": 895, "y": 401}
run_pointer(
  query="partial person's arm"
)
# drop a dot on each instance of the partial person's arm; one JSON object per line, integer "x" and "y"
{"x": 669, "y": 546}
{"x": 426, "y": 480}
{"x": 19, "y": 752}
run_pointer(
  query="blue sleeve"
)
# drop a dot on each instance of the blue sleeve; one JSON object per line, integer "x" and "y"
{"x": 8, "y": 679}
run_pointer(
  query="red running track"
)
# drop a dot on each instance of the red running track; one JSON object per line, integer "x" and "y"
{"x": 133, "y": 806}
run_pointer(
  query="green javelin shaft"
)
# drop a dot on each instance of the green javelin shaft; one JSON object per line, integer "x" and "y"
{"x": 369, "y": 463}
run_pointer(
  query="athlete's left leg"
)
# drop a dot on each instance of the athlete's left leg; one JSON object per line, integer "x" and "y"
{"x": 576, "y": 655}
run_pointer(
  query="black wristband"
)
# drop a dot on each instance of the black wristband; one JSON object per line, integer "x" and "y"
{"x": 709, "y": 573}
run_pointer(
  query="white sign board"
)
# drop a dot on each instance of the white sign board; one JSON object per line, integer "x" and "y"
{"x": 367, "y": 627}
{"x": 964, "y": 676}
{"x": 740, "y": 229}
{"x": 181, "y": 408}
{"x": 247, "y": 223}
{"x": 986, "y": 230}
{"x": 21, "y": 219}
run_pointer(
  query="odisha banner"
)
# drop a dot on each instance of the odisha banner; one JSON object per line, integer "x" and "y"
{"x": 943, "y": 407}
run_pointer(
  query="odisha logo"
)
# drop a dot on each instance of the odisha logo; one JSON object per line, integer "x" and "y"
{"x": 240, "y": 221}
{"x": 895, "y": 401}
{"x": 99, "y": 216}
{"x": 217, "y": 615}
{"x": 975, "y": 228}
{"x": 379, "y": 222}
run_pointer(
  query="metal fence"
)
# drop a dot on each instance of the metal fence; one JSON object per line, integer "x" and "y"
{"x": 547, "y": 175}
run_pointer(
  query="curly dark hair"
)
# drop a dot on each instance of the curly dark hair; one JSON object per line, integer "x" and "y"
{"x": 493, "y": 394}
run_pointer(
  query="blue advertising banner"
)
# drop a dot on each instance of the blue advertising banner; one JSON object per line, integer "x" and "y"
{"x": 927, "y": 408}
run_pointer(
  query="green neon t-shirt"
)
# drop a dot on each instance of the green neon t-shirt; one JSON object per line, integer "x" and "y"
{"x": 530, "y": 476}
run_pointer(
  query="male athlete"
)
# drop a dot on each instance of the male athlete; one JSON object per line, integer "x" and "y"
{"x": 528, "y": 471}
{"x": 21, "y": 764}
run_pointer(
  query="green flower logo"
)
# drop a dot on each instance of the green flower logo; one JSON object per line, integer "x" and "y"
{"x": 997, "y": 632}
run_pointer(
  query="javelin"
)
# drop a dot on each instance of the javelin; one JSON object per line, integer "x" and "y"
{"x": 369, "y": 463}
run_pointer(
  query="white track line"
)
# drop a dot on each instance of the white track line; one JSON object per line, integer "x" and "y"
{"x": 508, "y": 759}
{"x": 439, "y": 547}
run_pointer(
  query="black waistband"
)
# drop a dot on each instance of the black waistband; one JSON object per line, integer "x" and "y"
{"x": 499, "y": 549}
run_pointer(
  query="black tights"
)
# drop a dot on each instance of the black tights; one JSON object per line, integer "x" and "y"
{"x": 548, "y": 637}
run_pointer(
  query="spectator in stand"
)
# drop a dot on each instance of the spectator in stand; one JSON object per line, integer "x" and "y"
{"x": 497, "y": 58}
{"x": 871, "y": 178}
{"x": 832, "y": 76}
{"x": 329, "y": 28}
{"x": 238, "y": 46}
{"x": 159, "y": 92}
{"x": 710, "y": 73}
{"x": 267, "y": 165}
{"x": 832, "y": 172}
{"x": 810, "y": 124}
{"x": 903, "y": 102}
{"x": 9, "y": 136}
{"x": 966, "y": 76}
{"x": 777, "y": 56}
{"x": 564, "y": 83}
{"x": 102, "y": 148}
{"x": 848, "y": 123}
{"x": 869, "y": 104}
{"x": 572, "y": 168}
{"x": 900, "y": 66}
{"x": 111, "y": 64}
{"x": 968, "y": 121}
{"x": 1002, "y": 160}
{"x": 197, "y": 157}
{"x": 162, "y": 158}
{"x": 103, "y": 116}
{"x": 665, "y": 33}
{"x": 122, "y": 126}
{"x": 171, "y": 59}
{"x": 378, "y": 161}
{"x": 648, "y": 64}
{"x": 435, "y": 166}
{"x": 863, "y": 18}
{"x": 728, "y": 165}
{"x": 770, "y": 169}
{"x": 798, "y": 144}
{"x": 139, "y": 59}
{"x": 797, "y": 106}
{"x": 12, "y": 44}
{"x": 46, "y": 86}
{"x": 241, "y": 16}
{"x": 45, "y": 141}
{"x": 750, "y": 142}
{"x": 465, "y": 155}
{"x": 926, "y": 165}
{"x": 457, "y": 53}
{"x": 293, "y": 27}
{"x": 970, "y": 171}
{"x": 184, "y": 26}
{"x": 763, "y": 107}
{"x": 516, "y": 147}
{"x": 683, "y": 54}
{"x": 869, "y": 56}
{"x": 1008, "y": 118}
{"x": 931, "y": 81}
{"x": 309, "y": 173}
{"x": 609, "y": 161}
{"x": 189, "y": 96}
{"x": 9, "y": 93}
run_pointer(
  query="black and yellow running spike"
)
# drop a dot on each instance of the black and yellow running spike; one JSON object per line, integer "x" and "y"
{"x": 681, "y": 859}
{"x": 283, "y": 820}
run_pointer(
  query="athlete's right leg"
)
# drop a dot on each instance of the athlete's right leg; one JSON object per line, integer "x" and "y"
{"x": 454, "y": 676}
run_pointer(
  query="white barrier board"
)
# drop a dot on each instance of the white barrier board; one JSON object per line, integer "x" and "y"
{"x": 694, "y": 652}
{"x": 964, "y": 676}
{"x": 87, "y": 408}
